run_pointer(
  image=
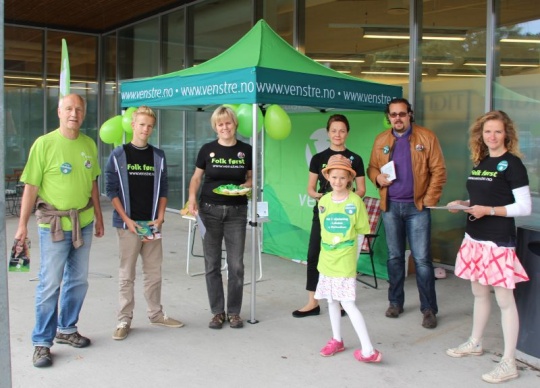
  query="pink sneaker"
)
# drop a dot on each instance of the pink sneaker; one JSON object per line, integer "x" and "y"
{"x": 332, "y": 347}
{"x": 375, "y": 357}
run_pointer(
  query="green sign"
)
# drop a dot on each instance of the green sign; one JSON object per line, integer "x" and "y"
{"x": 286, "y": 171}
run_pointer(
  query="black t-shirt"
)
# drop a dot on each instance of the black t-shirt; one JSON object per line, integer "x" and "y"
{"x": 140, "y": 169}
{"x": 224, "y": 166}
{"x": 491, "y": 184}
{"x": 319, "y": 161}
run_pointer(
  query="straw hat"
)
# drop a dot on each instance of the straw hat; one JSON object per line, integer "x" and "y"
{"x": 338, "y": 161}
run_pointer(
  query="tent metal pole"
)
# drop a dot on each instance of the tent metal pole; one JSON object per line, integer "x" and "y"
{"x": 253, "y": 215}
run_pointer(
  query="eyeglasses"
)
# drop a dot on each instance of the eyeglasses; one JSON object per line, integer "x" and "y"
{"x": 400, "y": 114}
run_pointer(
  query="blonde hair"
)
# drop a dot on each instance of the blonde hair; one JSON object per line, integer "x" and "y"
{"x": 143, "y": 110}
{"x": 478, "y": 148}
{"x": 220, "y": 113}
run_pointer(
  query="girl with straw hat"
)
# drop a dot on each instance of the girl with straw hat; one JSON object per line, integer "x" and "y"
{"x": 344, "y": 221}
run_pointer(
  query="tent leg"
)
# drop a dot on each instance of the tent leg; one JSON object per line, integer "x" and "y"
{"x": 254, "y": 256}
{"x": 253, "y": 216}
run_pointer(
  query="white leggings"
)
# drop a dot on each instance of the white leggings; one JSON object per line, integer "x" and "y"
{"x": 509, "y": 315}
{"x": 357, "y": 321}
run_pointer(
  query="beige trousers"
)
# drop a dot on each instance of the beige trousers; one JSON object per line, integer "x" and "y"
{"x": 151, "y": 254}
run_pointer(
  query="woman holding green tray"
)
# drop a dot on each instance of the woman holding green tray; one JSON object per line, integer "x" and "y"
{"x": 225, "y": 161}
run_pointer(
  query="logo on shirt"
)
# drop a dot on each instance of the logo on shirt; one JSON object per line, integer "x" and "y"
{"x": 503, "y": 165}
{"x": 241, "y": 155}
{"x": 318, "y": 142}
{"x": 350, "y": 209}
{"x": 87, "y": 160}
{"x": 66, "y": 168}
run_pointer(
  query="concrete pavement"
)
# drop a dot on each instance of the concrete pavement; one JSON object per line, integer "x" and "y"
{"x": 278, "y": 351}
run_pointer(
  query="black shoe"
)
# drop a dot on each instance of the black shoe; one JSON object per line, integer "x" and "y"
{"x": 430, "y": 320}
{"x": 74, "y": 339}
{"x": 343, "y": 312}
{"x": 42, "y": 357}
{"x": 303, "y": 314}
{"x": 393, "y": 311}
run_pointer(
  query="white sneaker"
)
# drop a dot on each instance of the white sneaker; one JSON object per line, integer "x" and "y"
{"x": 468, "y": 348}
{"x": 505, "y": 370}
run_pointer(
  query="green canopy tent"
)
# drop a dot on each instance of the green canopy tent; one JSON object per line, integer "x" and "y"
{"x": 261, "y": 68}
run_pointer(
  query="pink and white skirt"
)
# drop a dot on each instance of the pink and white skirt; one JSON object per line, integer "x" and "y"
{"x": 489, "y": 264}
{"x": 342, "y": 289}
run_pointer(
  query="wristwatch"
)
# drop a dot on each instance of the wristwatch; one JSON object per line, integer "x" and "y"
{"x": 492, "y": 211}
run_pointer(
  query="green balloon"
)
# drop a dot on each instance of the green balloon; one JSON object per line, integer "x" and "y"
{"x": 245, "y": 120}
{"x": 111, "y": 130}
{"x": 234, "y": 107}
{"x": 277, "y": 123}
{"x": 127, "y": 118}
{"x": 129, "y": 137}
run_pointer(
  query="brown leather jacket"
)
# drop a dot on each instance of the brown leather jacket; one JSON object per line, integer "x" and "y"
{"x": 429, "y": 170}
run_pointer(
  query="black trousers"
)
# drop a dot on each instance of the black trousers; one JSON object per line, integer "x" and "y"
{"x": 314, "y": 249}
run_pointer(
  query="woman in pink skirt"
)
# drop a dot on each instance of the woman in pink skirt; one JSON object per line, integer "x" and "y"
{"x": 498, "y": 188}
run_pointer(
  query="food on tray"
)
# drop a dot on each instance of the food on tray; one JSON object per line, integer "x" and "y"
{"x": 232, "y": 190}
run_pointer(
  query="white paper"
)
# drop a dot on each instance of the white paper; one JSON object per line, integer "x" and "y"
{"x": 262, "y": 209}
{"x": 389, "y": 169}
{"x": 200, "y": 225}
{"x": 451, "y": 207}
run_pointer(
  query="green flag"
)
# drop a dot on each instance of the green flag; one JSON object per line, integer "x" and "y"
{"x": 64, "y": 71}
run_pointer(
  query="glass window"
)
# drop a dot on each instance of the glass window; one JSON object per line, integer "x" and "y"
{"x": 109, "y": 95}
{"x": 173, "y": 41}
{"x": 279, "y": 15}
{"x": 23, "y": 93}
{"x": 217, "y": 26}
{"x": 364, "y": 39}
{"x": 138, "y": 50}
{"x": 516, "y": 87}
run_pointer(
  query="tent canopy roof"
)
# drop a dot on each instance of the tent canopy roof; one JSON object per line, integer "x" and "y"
{"x": 260, "y": 68}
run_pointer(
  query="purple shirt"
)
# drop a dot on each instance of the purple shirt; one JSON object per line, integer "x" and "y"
{"x": 402, "y": 189}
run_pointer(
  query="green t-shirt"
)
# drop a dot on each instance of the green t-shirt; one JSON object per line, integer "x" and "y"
{"x": 341, "y": 223}
{"x": 64, "y": 171}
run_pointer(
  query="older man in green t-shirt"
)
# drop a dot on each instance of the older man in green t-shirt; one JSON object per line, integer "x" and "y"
{"x": 60, "y": 180}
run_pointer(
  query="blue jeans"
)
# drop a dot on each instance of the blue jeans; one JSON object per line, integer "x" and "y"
{"x": 61, "y": 264}
{"x": 229, "y": 223}
{"x": 404, "y": 220}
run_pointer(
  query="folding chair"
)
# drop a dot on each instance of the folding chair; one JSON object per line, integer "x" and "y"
{"x": 374, "y": 216}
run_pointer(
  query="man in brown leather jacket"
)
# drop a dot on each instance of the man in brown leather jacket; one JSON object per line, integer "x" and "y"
{"x": 420, "y": 174}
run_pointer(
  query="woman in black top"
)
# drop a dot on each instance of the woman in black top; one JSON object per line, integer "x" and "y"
{"x": 222, "y": 162}
{"x": 498, "y": 189}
